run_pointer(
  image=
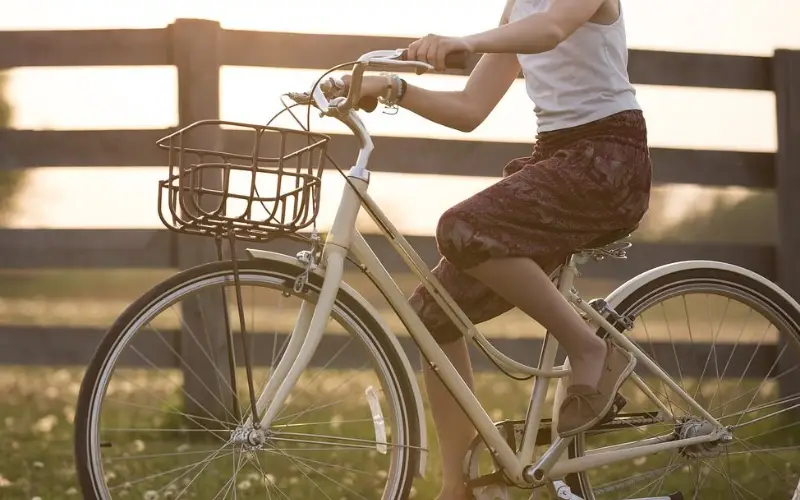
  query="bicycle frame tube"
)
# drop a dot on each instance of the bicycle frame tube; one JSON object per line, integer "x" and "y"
{"x": 641, "y": 357}
{"x": 513, "y": 464}
{"x": 344, "y": 238}
{"x": 437, "y": 359}
{"x": 533, "y": 417}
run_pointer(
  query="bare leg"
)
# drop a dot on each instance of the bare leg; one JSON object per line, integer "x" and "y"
{"x": 523, "y": 283}
{"x": 454, "y": 430}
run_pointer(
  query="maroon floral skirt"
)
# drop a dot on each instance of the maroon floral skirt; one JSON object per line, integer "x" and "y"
{"x": 579, "y": 184}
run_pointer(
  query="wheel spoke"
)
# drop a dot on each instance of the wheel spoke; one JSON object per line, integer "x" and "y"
{"x": 160, "y": 448}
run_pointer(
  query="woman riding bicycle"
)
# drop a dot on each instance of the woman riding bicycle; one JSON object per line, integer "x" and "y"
{"x": 589, "y": 174}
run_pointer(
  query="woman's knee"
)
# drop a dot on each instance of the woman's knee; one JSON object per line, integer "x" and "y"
{"x": 453, "y": 233}
{"x": 441, "y": 328}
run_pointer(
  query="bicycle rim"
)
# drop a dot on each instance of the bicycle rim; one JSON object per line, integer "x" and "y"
{"x": 753, "y": 336}
{"x": 192, "y": 453}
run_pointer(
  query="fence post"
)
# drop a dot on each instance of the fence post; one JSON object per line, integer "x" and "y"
{"x": 786, "y": 72}
{"x": 203, "y": 348}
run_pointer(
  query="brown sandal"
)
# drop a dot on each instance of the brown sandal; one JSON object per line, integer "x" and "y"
{"x": 584, "y": 407}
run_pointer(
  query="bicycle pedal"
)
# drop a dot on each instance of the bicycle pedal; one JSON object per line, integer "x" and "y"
{"x": 617, "y": 406}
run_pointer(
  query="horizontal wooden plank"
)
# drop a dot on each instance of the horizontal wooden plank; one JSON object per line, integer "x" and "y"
{"x": 685, "y": 69}
{"x": 85, "y": 248}
{"x": 54, "y": 346}
{"x": 103, "y": 248}
{"x": 313, "y": 51}
{"x": 26, "y": 148}
{"x": 487, "y": 159}
{"x": 115, "y": 47}
{"x": 251, "y": 48}
{"x": 86, "y": 148}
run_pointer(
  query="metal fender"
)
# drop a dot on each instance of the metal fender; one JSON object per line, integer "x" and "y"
{"x": 624, "y": 290}
{"x": 423, "y": 433}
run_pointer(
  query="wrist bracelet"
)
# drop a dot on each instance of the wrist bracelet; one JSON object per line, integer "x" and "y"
{"x": 402, "y": 92}
{"x": 392, "y": 90}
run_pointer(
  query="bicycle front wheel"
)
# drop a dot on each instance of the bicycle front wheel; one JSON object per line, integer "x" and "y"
{"x": 732, "y": 343}
{"x": 157, "y": 417}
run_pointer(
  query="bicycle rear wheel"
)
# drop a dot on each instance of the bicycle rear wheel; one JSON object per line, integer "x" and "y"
{"x": 348, "y": 428}
{"x": 731, "y": 342}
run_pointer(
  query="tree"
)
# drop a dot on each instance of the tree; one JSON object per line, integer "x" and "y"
{"x": 10, "y": 180}
{"x": 748, "y": 220}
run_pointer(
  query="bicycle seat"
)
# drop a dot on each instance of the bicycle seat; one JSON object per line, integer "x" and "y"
{"x": 609, "y": 238}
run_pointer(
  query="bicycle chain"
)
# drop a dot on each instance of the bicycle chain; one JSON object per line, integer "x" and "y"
{"x": 543, "y": 438}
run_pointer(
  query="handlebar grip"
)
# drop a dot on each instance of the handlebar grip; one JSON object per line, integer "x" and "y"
{"x": 454, "y": 60}
{"x": 368, "y": 103}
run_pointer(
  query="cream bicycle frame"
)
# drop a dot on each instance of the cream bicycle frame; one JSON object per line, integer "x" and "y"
{"x": 344, "y": 239}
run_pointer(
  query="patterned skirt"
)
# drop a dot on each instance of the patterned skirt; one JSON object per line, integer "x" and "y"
{"x": 578, "y": 184}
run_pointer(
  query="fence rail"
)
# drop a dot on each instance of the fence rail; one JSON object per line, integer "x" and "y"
{"x": 198, "y": 49}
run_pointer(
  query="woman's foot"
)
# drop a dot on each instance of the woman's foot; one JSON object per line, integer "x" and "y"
{"x": 587, "y": 362}
{"x": 586, "y": 405}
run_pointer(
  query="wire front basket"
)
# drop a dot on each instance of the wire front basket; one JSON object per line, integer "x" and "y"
{"x": 263, "y": 182}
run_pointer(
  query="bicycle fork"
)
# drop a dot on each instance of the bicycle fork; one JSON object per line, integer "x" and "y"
{"x": 312, "y": 319}
{"x": 303, "y": 343}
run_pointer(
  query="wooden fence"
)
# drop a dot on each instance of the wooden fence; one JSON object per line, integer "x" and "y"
{"x": 198, "y": 48}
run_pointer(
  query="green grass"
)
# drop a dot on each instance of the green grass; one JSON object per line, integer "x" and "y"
{"x": 38, "y": 404}
{"x": 38, "y": 411}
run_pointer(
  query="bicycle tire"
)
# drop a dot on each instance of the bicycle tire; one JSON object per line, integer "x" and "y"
{"x": 348, "y": 305}
{"x": 699, "y": 276}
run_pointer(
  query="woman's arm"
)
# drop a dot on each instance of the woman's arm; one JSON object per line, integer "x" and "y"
{"x": 464, "y": 110}
{"x": 533, "y": 34}
{"x": 538, "y": 32}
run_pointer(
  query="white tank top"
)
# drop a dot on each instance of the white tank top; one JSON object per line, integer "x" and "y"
{"x": 585, "y": 78}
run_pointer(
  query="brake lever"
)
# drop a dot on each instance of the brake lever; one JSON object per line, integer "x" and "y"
{"x": 300, "y": 97}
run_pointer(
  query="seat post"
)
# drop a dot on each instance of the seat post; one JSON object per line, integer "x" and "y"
{"x": 569, "y": 271}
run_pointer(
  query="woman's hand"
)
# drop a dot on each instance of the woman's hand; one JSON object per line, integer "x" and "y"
{"x": 433, "y": 49}
{"x": 371, "y": 85}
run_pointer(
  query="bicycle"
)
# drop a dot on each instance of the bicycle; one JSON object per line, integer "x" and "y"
{"x": 394, "y": 431}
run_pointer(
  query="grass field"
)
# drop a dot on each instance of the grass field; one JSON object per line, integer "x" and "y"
{"x": 38, "y": 404}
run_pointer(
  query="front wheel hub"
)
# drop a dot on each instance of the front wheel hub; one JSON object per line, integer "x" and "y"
{"x": 249, "y": 437}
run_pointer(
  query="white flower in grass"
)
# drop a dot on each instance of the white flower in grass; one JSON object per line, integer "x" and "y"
{"x": 38, "y": 465}
{"x": 71, "y": 492}
{"x": 244, "y": 485}
{"x": 45, "y": 424}
{"x": 150, "y": 495}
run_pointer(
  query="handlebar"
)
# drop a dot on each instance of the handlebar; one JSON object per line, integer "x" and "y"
{"x": 324, "y": 96}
